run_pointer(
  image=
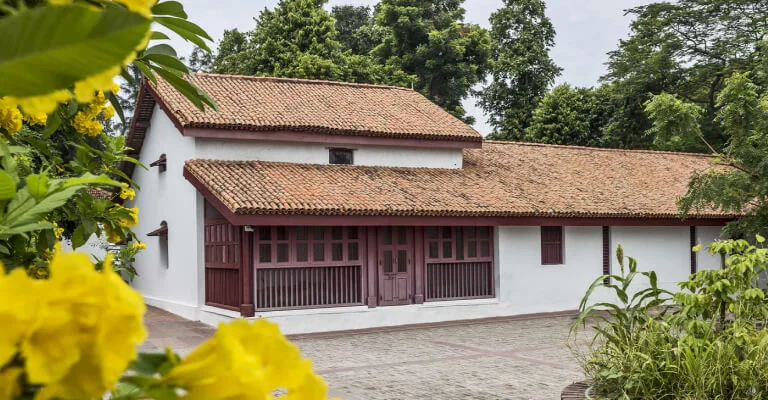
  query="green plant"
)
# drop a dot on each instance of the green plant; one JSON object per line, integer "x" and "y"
{"x": 704, "y": 342}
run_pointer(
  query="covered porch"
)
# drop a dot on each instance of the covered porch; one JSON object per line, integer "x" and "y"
{"x": 272, "y": 268}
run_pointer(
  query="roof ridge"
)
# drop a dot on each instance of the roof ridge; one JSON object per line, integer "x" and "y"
{"x": 302, "y": 164}
{"x": 302, "y": 80}
{"x": 607, "y": 149}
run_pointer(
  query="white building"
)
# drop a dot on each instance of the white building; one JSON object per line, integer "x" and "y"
{"x": 333, "y": 206}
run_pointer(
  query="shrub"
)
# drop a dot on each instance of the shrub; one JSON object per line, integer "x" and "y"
{"x": 703, "y": 342}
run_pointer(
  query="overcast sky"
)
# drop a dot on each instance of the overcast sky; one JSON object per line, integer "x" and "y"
{"x": 586, "y": 31}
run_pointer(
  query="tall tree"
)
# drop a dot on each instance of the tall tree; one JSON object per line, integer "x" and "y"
{"x": 572, "y": 116}
{"x": 521, "y": 69}
{"x": 357, "y": 31}
{"x": 742, "y": 114}
{"x": 199, "y": 60}
{"x": 296, "y": 39}
{"x": 429, "y": 40}
{"x": 229, "y": 56}
{"x": 687, "y": 47}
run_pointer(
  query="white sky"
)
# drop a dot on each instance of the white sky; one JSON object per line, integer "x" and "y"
{"x": 586, "y": 31}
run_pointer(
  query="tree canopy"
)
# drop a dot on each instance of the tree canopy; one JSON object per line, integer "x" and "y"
{"x": 431, "y": 41}
{"x": 521, "y": 69}
{"x": 688, "y": 48}
{"x": 571, "y": 116}
{"x": 420, "y": 43}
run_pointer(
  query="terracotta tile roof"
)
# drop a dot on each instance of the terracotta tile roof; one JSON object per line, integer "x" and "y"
{"x": 501, "y": 179}
{"x": 99, "y": 193}
{"x": 279, "y": 104}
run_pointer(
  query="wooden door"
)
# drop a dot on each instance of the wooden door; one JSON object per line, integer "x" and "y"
{"x": 395, "y": 266}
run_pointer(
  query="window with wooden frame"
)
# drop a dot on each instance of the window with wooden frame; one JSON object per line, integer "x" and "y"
{"x": 341, "y": 156}
{"x": 458, "y": 243}
{"x": 300, "y": 246}
{"x": 551, "y": 245}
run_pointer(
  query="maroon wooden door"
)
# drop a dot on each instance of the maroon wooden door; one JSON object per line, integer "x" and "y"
{"x": 395, "y": 265}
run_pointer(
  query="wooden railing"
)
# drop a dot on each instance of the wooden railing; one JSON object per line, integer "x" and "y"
{"x": 308, "y": 287}
{"x": 455, "y": 281}
{"x": 222, "y": 287}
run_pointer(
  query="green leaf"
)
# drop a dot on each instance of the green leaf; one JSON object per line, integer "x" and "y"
{"x": 38, "y": 211}
{"x": 48, "y": 48}
{"x": 158, "y": 36}
{"x": 53, "y": 123}
{"x": 116, "y": 105}
{"x": 90, "y": 179}
{"x": 187, "y": 89}
{"x": 696, "y": 248}
{"x": 161, "y": 49}
{"x": 126, "y": 391}
{"x": 7, "y": 186}
{"x": 167, "y": 62}
{"x": 149, "y": 363}
{"x": 145, "y": 70}
{"x": 72, "y": 108}
{"x": 187, "y": 30}
{"x": 37, "y": 186}
{"x": 172, "y": 8}
{"x": 759, "y": 238}
{"x": 79, "y": 236}
{"x": 39, "y": 226}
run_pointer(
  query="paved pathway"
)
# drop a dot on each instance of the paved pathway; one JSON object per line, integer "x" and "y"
{"x": 516, "y": 359}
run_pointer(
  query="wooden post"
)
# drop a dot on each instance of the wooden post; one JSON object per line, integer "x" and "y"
{"x": 373, "y": 266}
{"x": 248, "y": 307}
{"x": 418, "y": 256}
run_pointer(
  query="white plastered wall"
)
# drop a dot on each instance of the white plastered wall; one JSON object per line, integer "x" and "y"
{"x": 317, "y": 153}
{"x": 524, "y": 285}
{"x": 664, "y": 249}
{"x": 167, "y": 196}
{"x": 704, "y": 236}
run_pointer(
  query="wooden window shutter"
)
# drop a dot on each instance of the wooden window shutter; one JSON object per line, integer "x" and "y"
{"x": 694, "y": 261}
{"x": 551, "y": 245}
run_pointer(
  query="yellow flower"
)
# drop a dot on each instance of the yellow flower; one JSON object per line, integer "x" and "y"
{"x": 40, "y": 272}
{"x": 112, "y": 236}
{"x": 127, "y": 193}
{"x": 36, "y": 119}
{"x": 142, "y": 7}
{"x": 115, "y": 88}
{"x": 10, "y": 116}
{"x": 139, "y": 246}
{"x": 9, "y": 383}
{"x": 108, "y": 112}
{"x": 86, "y": 89}
{"x": 44, "y": 103}
{"x": 100, "y": 99}
{"x": 57, "y": 231}
{"x": 20, "y": 300}
{"x": 59, "y": 2}
{"x": 84, "y": 330}
{"x": 85, "y": 124}
{"x": 134, "y": 212}
{"x": 246, "y": 360}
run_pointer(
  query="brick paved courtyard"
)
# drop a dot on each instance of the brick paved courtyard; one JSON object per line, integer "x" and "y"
{"x": 515, "y": 359}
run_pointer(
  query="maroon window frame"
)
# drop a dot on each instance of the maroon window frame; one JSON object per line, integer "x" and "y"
{"x": 458, "y": 244}
{"x": 551, "y": 245}
{"x": 694, "y": 261}
{"x": 307, "y": 246}
{"x": 606, "y": 253}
